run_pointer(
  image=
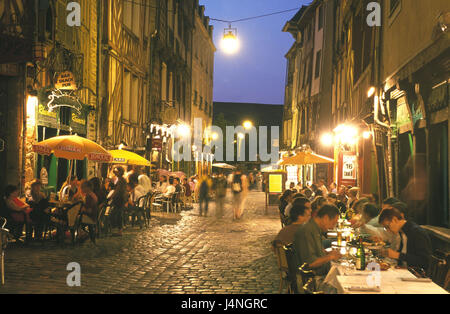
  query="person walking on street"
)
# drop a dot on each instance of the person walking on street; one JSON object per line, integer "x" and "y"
{"x": 221, "y": 191}
{"x": 203, "y": 194}
{"x": 239, "y": 187}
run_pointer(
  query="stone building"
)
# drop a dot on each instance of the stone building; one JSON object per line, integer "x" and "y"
{"x": 202, "y": 69}
{"x": 45, "y": 47}
{"x": 308, "y": 86}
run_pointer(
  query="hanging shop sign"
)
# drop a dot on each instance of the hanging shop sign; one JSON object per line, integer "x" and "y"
{"x": 347, "y": 168}
{"x": 66, "y": 81}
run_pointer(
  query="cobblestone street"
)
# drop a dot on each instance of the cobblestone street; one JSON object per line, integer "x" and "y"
{"x": 192, "y": 255}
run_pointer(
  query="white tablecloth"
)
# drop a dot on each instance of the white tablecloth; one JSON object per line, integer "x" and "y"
{"x": 343, "y": 278}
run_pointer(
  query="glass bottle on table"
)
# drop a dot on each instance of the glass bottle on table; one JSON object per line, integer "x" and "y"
{"x": 360, "y": 256}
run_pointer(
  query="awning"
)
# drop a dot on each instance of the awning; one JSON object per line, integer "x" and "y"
{"x": 224, "y": 166}
{"x": 305, "y": 158}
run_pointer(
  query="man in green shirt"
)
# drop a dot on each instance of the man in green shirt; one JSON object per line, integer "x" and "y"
{"x": 308, "y": 240}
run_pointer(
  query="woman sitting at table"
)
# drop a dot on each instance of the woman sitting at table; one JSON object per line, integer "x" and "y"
{"x": 18, "y": 213}
{"x": 415, "y": 246}
{"x": 40, "y": 205}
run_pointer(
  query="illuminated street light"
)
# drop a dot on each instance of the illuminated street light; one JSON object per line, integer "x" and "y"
{"x": 346, "y": 134}
{"x": 370, "y": 92}
{"x": 248, "y": 125}
{"x": 327, "y": 139}
{"x": 214, "y": 136}
{"x": 230, "y": 42}
{"x": 241, "y": 136}
{"x": 183, "y": 130}
{"x": 367, "y": 135}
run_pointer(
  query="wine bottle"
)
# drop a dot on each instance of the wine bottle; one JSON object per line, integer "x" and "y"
{"x": 360, "y": 256}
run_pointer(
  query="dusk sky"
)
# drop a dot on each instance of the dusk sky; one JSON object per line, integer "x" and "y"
{"x": 256, "y": 73}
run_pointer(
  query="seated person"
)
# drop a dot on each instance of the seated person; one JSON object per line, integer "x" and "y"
{"x": 187, "y": 187}
{"x": 170, "y": 190}
{"x": 308, "y": 240}
{"x": 417, "y": 251}
{"x": 162, "y": 184}
{"x": 18, "y": 213}
{"x": 89, "y": 209}
{"x": 300, "y": 214}
{"x": 145, "y": 182}
{"x": 285, "y": 200}
{"x": 332, "y": 199}
{"x": 357, "y": 219}
{"x": 134, "y": 180}
{"x": 40, "y": 214}
{"x": 287, "y": 210}
{"x": 298, "y": 201}
{"x": 317, "y": 204}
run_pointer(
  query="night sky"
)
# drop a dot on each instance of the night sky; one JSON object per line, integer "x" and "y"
{"x": 256, "y": 73}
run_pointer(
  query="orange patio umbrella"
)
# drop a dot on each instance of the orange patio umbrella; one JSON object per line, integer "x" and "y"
{"x": 305, "y": 158}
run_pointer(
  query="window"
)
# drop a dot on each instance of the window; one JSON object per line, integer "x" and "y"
{"x": 318, "y": 63}
{"x": 135, "y": 91}
{"x": 195, "y": 98}
{"x": 126, "y": 95}
{"x": 320, "y": 21}
{"x": 164, "y": 82}
{"x": 201, "y": 103}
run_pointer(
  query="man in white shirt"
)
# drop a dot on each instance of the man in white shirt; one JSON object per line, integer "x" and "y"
{"x": 170, "y": 188}
{"x": 162, "y": 184}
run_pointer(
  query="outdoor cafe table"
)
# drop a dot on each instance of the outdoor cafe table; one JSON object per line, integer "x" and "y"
{"x": 393, "y": 281}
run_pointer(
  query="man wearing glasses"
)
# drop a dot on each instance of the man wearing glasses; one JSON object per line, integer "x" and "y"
{"x": 416, "y": 251}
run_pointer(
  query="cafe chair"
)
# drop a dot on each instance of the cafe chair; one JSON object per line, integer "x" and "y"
{"x": 4, "y": 235}
{"x": 439, "y": 267}
{"x": 283, "y": 266}
{"x": 72, "y": 217}
{"x": 104, "y": 226}
{"x": 308, "y": 278}
{"x": 292, "y": 274}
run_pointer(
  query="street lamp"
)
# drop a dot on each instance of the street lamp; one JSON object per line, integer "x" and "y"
{"x": 247, "y": 125}
{"x": 327, "y": 139}
{"x": 230, "y": 43}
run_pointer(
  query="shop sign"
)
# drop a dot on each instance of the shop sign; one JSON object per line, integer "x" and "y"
{"x": 276, "y": 183}
{"x": 66, "y": 81}
{"x": 78, "y": 119}
{"x": 348, "y": 167}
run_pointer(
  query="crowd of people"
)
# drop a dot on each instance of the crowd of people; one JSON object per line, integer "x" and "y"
{"x": 307, "y": 213}
{"x": 122, "y": 192}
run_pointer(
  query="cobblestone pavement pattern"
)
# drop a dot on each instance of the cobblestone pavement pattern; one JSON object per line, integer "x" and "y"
{"x": 192, "y": 255}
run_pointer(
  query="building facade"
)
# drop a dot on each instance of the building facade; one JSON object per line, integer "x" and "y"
{"x": 384, "y": 102}
{"x": 44, "y": 107}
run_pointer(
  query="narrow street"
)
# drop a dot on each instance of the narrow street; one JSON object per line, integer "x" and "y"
{"x": 192, "y": 255}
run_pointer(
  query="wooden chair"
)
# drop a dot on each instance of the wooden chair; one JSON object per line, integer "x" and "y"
{"x": 301, "y": 279}
{"x": 439, "y": 267}
{"x": 283, "y": 266}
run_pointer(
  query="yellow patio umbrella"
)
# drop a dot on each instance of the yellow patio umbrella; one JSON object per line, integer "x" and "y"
{"x": 128, "y": 158}
{"x": 72, "y": 147}
{"x": 305, "y": 158}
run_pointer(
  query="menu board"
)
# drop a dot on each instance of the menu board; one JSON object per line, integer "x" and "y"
{"x": 275, "y": 183}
